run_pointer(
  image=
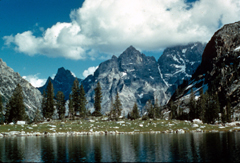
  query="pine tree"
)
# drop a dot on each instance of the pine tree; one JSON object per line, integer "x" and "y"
{"x": 192, "y": 105}
{"x": 44, "y": 104}
{"x": 70, "y": 107}
{"x": 37, "y": 117}
{"x": 117, "y": 106}
{"x": 201, "y": 105}
{"x": 135, "y": 112}
{"x": 173, "y": 109}
{"x": 97, "y": 100}
{"x": 60, "y": 105}
{"x": 150, "y": 109}
{"x": 49, "y": 100}
{"x": 1, "y": 111}
{"x": 76, "y": 96}
{"x": 7, "y": 118}
{"x": 112, "y": 111}
{"x": 212, "y": 109}
{"x": 228, "y": 111}
{"x": 157, "y": 109}
{"x": 82, "y": 102}
{"x": 17, "y": 108}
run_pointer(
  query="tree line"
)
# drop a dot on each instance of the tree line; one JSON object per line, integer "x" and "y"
{"x": 207, "y": 108}
{"x": 76, "y": 104}
{"x": 15, "y": 108}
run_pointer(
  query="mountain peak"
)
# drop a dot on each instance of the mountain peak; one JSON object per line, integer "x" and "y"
{"x": 131, "y": 49}
{"x": 61, "y": 69}
{"x": 62, "y": 82}
{"x": 130, "y": 52}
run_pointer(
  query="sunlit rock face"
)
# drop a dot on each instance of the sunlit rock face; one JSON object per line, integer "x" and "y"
{"x": 179, "y": 63}
{"x": 135, "y": 76}
{"x": 139, "y": 78}
{"x": 9, "y": 80}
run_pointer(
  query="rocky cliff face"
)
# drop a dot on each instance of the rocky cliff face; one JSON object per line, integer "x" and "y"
{"x": 219, "y": 70}
{"x": 139, "y": 78}
{"x": 179, "y": 63}
{"x": 63, "y": 81}
{"x": 133, "y": 75}
{"x": 9, "y": 80}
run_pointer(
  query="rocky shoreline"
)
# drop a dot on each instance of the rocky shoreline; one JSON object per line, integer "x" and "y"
{"x": 179, "y": 131}
{"x": 93, "y": 127}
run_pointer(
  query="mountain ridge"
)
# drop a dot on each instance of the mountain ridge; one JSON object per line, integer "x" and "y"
{"x": 136, "y": 77}
{"x": 219, "y": 69}
{"x": 9, "y": 79}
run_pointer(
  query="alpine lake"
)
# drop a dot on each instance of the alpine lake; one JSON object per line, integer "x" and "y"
{"x": 120, "y": 141}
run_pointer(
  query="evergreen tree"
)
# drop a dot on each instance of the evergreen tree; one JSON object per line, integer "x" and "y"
{"x": 173, "y": 109}
{"x": 44, "y": 104}
{"x": 37, "y": 117}
{"x": 212, "y": 109}
{"x": 128, "y": 116}
{"x": 228, "y": 111}
{"x": 76, "y": 96}
{"x": 97, "y": 100}
{"x": 7, "y": 113}
{"x": 83, "y": 102}
{"x": 17, "y": 108}
{"x": 49, "y": 101}
{"x": 117, "y": 106}
{"x": 150, "y": 109}
{"x": 60, "y": 105}
{"x": 192, "y": 106}
{"x": 70, "y": 107}
{"x": 157, "y": 109}
{"x": 112, "y": 113}
{"x": 135, "y": 112}
{"x": 1, "y": 111}
{"x": 201, "y": 105}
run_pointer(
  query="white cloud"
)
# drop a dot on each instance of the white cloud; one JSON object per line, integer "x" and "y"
{"x": 34, "y": 80}
{"x": 89, "y": 71}
{"x": 110, "y": 26}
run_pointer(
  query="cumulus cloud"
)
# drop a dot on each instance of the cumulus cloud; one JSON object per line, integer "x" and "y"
{"x": 89, "y": 71}
{"x": 34, "y": 80}
{"x": 110, "y": 26}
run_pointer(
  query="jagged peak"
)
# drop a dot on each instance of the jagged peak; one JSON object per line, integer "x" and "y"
{"x": 2, "y": 62}
{"x": 61, "y": 69}
{"x": 114, "y": 57}
{"x": 131, "y": 48}
{"x": 64, "y": 71}
{"x": 130, "y": 52}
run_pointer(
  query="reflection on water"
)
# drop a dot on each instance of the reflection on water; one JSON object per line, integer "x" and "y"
{"x": 196, "y": 147}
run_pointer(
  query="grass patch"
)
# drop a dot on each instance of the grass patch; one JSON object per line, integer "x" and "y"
{"x": 100, "y": 125}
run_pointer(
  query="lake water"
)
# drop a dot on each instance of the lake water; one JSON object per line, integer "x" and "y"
{"x": 197, "y": 147}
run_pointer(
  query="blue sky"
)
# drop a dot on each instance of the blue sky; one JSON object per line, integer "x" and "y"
{"x": 39, "y": 36}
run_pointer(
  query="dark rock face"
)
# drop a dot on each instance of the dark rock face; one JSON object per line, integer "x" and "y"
{"x": 224, "y": 41}
{"x": 219, "y": 70}
{"x": 63, "y": 81}
{"x": 9, "y": 80}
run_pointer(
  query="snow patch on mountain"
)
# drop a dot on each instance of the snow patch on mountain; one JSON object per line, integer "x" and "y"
{"x": 236, "y": 49}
